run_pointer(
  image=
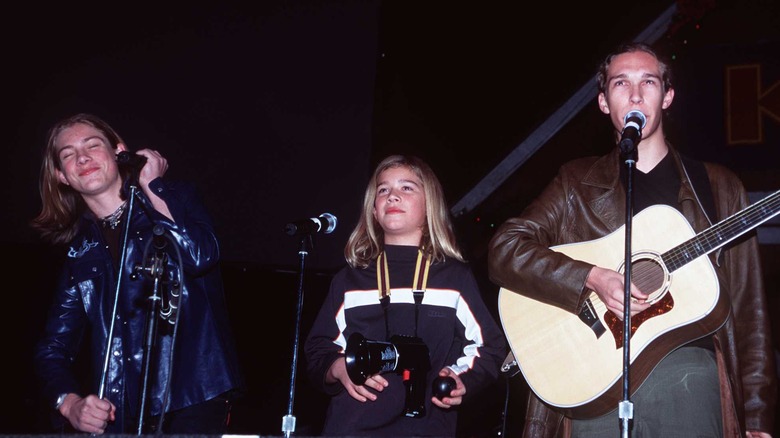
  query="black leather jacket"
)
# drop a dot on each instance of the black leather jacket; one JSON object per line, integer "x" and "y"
{"x": 205, "y": 363}
{"x": 587, "y": 201}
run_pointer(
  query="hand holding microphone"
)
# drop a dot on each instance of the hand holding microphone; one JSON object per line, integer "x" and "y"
{"x": 145, "y": 164}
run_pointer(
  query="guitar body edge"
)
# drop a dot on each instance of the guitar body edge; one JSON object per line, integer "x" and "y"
{"x": 579, "y": 373}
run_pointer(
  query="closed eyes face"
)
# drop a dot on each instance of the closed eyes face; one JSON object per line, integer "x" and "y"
{"x": 68, "y": 153}
{"x": 87, "y": 161}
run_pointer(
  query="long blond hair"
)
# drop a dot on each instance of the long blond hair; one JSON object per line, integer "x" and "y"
{"x": 438, "y": 239}
{"x": 61, "y": 206}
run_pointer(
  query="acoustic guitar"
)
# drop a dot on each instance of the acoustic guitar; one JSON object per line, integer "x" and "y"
{"x": 574, "y": 362}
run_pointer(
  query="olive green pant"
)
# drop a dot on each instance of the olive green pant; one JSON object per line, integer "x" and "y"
{"x": 680, "y": 398}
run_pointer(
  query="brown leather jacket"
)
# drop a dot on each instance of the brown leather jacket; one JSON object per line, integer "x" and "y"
{"x": 585, "y": 201}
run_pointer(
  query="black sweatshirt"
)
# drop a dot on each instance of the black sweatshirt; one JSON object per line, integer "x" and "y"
{"x": 452, "y": 320}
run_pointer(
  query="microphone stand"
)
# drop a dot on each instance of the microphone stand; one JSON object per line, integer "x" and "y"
{"x": 168, "y": 309}
{"x": 288, "y": 421}
{"x": 133, "y": 188}
{"x": 155, "y": 267}
{"x": 156, "y": 270}
{"x": 626, "y": 407}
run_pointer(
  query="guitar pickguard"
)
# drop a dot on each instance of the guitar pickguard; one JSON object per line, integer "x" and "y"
{"x": 650, "y": 275}
{"x": 616, "y": 326}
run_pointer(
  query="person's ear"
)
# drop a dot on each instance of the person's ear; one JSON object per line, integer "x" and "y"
{"x": 61, "y": 177}
{"x": 603, "y": 106}
{"x": 668, "y": 98}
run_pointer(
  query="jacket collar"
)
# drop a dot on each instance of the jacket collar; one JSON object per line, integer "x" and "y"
{"x": 608, "y": 197}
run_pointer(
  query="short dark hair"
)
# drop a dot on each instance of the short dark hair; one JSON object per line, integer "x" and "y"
{"x": 663, "y": 65}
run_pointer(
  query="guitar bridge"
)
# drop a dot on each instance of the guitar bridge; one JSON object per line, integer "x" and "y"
{"x": 589, "y": 317}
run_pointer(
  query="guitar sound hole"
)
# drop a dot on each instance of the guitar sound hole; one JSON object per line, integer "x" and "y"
{"x": 650, "y": 277}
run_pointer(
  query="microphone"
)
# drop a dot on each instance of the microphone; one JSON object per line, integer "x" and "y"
{"x": 130, "y": 161}
{"x": 633, "y": 123}
{"x": 325, "y": 223}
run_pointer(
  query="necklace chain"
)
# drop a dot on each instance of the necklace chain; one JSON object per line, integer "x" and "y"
{"x": 112, "y": 220}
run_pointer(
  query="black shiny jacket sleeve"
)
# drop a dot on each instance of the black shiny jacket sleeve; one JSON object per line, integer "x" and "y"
{"x": 191, "y": 226}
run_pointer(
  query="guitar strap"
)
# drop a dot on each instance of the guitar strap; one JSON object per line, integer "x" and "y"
{"x": 702, "y": 188}
{"x": 697, "y": 174}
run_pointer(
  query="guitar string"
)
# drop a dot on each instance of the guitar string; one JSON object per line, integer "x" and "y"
{"x": 643, "y": 272}
{"x": 713, "y": 237}
{"x": 692, "y": 249}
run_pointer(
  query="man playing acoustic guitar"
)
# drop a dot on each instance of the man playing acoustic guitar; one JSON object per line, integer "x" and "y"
{"x": 701, "y": 354}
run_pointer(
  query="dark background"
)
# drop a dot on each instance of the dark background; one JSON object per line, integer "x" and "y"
{"x": 279, "y": 110}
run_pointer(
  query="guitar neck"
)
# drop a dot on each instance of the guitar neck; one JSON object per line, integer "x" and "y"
{"x": 723, "y": 232}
